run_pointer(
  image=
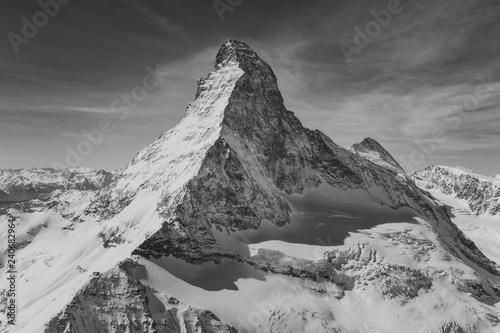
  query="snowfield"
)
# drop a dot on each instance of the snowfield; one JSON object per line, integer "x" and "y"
{"x": 484, "y": 230}
{"x": 276, "y": 303}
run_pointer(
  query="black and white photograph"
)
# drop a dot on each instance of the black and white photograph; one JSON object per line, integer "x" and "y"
{"x": 250, "y": 166}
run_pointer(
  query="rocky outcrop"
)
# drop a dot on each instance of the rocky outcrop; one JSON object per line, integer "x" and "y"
{"x": 452, "y": 327}
{"x": 116, "y": 302}
{"x": 481, "y": 193}
{"x": 374, "y": 152}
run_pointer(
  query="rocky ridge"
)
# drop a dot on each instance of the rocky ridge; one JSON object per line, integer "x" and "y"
{"x": 132, "y": 307}
{"x": 481, "y": 193}
{"x": 373, "y": 151}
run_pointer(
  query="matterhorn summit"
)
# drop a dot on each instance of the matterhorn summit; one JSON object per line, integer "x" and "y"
{"x": 240, "y": 219}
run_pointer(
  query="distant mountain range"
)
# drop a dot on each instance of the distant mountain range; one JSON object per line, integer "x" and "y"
{"x": 25, "y": 184}
{"x": 479, "y": 194}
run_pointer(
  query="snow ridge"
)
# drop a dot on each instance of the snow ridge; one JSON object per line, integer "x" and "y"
{"x": 480, "y": 193}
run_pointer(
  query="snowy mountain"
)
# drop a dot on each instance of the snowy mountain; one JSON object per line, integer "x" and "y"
{"x": 239, "y": 219}
{"x": 472, "y": 200}
{"x": 25, "y": 184}
{"x": 479, "y": 194}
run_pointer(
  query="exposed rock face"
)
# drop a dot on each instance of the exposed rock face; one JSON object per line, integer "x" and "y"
{"x": 116, "y": 302}
{"x": 481, "y": 193}
{"x": 452, "y": 327}
{"x": 24, "y": 184}
{"x": 5, "y": 197}
{"x": 373, "y": 151}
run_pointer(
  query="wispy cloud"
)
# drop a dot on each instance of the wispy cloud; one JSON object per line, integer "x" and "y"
{"x": 87, "y": 109}
{"x": 396, "y": 90}
{"x": 147, "y": 13}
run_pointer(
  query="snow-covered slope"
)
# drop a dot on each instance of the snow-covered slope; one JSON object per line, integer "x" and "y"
{"x": 24, "y": 184}
{"x": 477, "y": 194}
{"x": 473, "y": 201}
{"x": 165, "y": 247}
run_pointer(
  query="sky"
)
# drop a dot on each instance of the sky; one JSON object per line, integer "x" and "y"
{"x": 424, "y": 81}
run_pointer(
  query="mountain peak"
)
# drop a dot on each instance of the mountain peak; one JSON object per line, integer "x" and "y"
{"x": 233, "y": 57}
{"x": 370, "y": 141}
{"x": 233, "y": 51}
{"x": 372, "y": 150}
